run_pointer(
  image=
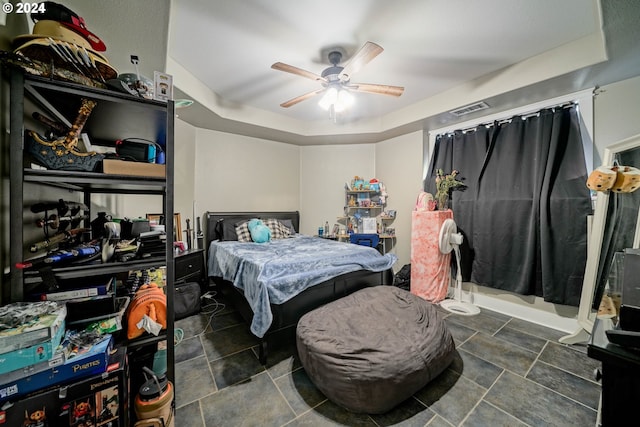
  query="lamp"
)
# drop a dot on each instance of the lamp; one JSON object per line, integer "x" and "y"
{"x": 336, "y": 100}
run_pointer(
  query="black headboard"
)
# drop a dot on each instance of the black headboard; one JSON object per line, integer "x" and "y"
{"x": 212, "y": 218}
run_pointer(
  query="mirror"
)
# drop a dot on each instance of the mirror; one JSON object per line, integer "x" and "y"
{"x": 615, "y": 226}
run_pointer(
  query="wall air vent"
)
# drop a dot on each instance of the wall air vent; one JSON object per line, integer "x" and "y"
{"x": 468, "y": 109}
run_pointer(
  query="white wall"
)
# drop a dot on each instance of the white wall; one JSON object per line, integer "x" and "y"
{"x": 617, "y": 113}
{"x": 399, "y": 166}
{"x": 239, "y": 173}
{"x": 124, "y": 28}
{"x": 323, "y": 172}
{"x": 184, "y": 172}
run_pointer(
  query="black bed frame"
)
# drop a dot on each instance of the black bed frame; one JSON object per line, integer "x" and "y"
{"x": 286, "y": 315}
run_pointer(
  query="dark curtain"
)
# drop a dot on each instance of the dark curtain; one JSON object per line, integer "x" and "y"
{"x": 523, "y": 212}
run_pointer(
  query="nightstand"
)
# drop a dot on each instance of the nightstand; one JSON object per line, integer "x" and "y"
{"x": 189, "y": 267}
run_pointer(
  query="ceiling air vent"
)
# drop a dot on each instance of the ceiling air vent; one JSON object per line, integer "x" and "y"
{"x": 468, "y": 109}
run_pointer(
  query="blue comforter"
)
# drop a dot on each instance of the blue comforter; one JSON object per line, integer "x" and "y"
{"x": 278, "y": 270}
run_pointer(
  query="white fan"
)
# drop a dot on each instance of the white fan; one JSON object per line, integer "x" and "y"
{"x": 450, "y": 239}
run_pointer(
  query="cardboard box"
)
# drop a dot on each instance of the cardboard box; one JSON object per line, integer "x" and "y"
{"x": 100, "y": 400}
{"x": 93, "y": 361}
{"x": 37, "y": 353}
{"x": 38, "y": 330}
{"x": 121, "y": 167}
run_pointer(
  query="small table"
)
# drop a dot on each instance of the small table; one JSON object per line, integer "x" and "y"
{"x": 620, "y": 376}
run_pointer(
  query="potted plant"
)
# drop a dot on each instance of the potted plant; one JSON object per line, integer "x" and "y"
{"x": 444, "y": 185}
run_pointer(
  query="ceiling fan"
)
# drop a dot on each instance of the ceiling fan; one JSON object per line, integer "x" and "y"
{"x": 336, "y": 78}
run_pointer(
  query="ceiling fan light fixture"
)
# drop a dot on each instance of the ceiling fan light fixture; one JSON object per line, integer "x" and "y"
{"x": 345, "y": 98}
{"x": 329, "y": 98}
{"x": 336, "y": 80}
{"x": 336, "y": 99}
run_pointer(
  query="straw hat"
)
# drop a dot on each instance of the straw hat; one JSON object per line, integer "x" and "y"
{"x": 51, "y": 41}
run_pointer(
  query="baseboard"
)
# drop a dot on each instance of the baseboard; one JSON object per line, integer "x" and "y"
{"x": 534, "y": 311}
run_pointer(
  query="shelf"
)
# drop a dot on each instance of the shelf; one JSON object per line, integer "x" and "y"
{"x": 135, "y": 116}
{"x": 116, "y": 116}
{"x": 88, "y": 91}
{"x": 144, "y": 340}
{"x": 99, "y": 269}
{"x": 96, "y": 182}
{"x": 375, "y": 211}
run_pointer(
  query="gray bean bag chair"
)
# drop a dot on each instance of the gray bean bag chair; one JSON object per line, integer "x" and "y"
{"x": 373, "y": 349}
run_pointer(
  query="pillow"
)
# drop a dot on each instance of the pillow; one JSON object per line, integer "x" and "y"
{"x": 289, "y": 224}
{"x": 242, "y": 231}
{"x": 228, "y": 231}
{"x": 260, "y": 233}
{"x": 278, "y": 230}
{"x": 226, "y": 228}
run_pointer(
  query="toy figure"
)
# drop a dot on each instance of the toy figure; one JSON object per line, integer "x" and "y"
{"x": 383, "y": 193}
{"x": 38, "y": 418}
{"x": 81, "y": 411}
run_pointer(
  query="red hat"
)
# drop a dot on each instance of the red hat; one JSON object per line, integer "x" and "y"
{"x": 64, "y": 15}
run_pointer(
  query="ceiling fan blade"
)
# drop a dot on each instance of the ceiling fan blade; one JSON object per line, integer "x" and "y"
{"x": 362, "y": 57}
{"x": 297, "y": 71}
{"x": 375, "y": 88}
{"x": 301, "y": 98}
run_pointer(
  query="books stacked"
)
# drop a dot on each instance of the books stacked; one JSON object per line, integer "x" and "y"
{"x": 30, "y": 333}
{"x": 71, "y": 362}
{"x": 97, "y": 300}
{"x": 152, "y": 244}
{"x": 37, "y": 350}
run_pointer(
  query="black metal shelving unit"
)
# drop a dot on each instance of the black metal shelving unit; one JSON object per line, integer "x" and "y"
{"x": 115, "y": 115}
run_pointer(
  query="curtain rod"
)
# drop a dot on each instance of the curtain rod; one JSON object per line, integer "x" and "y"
{"x": 582, "y": 95}
{"x": 523, "y": 116}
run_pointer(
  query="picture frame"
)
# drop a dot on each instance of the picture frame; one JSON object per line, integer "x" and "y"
{"x": 163, "y": 86}
{"x": 369, "y": 226}
{"x": 177, "y": 227}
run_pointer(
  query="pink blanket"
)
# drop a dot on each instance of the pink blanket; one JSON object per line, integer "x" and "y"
{"x": 430, "y": 269}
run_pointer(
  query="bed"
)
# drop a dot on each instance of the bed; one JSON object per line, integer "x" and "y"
{"x": 274, "y": 284}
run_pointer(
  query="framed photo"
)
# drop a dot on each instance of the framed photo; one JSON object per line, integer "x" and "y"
{"x": 177, "y": 228}
{"x": 369, "y": 226}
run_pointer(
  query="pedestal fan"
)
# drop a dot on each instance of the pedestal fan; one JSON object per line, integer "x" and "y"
{"x": 448, "y": 240}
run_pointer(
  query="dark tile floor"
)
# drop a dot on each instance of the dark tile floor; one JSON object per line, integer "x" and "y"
{"x": 507, "y": 372}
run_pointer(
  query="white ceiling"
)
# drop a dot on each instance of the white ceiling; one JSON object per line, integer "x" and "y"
{"x": 446, "y": 53}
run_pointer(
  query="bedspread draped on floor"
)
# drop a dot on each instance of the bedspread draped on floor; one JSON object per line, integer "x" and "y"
{"x": 276, "y": 271}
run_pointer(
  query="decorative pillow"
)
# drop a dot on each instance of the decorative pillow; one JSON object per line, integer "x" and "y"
{"x": 225, "y": 229}
{"x": 260, "y": 233}
{"x": 289, "y": 224}
{"x": 242, "y": 231}
{"x": 278, "y": 230}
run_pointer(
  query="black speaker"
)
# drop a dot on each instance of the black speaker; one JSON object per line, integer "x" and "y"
{"x": 139, "y": 150}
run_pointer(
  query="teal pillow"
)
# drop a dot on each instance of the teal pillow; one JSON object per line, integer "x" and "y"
{"x": 260, "y": 233}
